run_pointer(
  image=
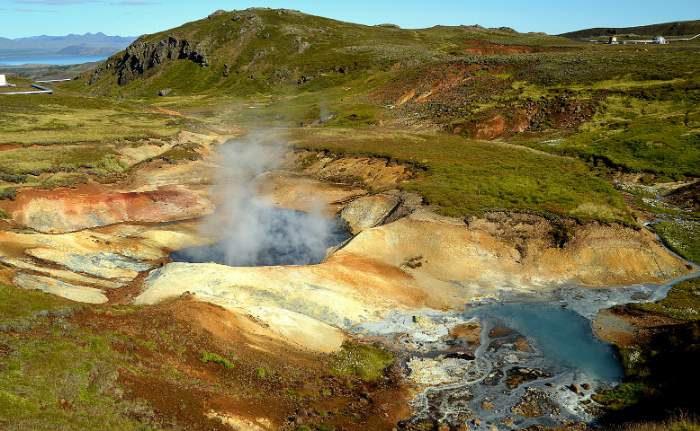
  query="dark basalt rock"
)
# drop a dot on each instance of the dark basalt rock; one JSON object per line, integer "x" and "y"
{"x": 142, "y": 56}
{"x": 493, "y": 378}
{"x": 535, "y": 403}
{"x": 516, "y": 376}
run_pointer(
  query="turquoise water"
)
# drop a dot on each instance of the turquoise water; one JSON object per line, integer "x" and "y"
{"x": 53, "y": 60}
{"x": 563, "y": 336}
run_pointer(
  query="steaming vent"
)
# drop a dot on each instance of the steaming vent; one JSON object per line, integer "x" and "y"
{"x": 249, "y": 229}
{"x": 284, "y": 240}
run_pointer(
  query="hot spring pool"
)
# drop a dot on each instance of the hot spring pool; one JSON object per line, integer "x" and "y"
{"x": 564, "y": 337}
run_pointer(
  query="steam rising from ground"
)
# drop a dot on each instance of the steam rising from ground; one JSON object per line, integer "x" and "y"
{"x": 251, "y": 231}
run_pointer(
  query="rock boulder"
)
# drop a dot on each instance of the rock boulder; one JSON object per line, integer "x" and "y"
{"x": 369, "y": 211}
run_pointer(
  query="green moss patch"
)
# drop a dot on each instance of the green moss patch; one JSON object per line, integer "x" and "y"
{"x": 209, "y": 357}
{"x": 60, "y": 376}
{"x": 362, "y": 360}
{"x": 182, "y": 152}
{"x": 623, "y": 396}
{"x": 649, "y": 129}
{"x": 19, "y": 307}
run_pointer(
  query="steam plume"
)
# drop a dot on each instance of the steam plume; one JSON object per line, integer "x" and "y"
{"x": 251, "y": 231}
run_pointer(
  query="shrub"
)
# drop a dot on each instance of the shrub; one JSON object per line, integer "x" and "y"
{"x": 208, "y": 357}
{"x": 8, "y": 194}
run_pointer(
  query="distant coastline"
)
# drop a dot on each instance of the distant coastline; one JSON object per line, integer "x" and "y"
{"x": 55, "y": 60}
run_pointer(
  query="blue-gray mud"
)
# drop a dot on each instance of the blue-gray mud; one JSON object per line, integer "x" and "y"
{"x": 531, "y": 358}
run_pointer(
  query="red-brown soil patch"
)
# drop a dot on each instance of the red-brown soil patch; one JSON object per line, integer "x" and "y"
{"x": 559, "y": 113}
{"x": 491, "y": 128}
{"x": 429, "y": 83}
{"x": 469, "y": 332}
{"x": 483, "y": 47}
{"x": 625, "y": 326}
{"x": 298, "y": 388}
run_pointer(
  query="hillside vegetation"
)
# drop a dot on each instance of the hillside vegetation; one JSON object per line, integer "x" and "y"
{"x": 619, "y": 109}
{"x": 678, "y": 28}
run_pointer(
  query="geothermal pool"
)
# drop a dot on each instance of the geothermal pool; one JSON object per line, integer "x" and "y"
{"x": 278, "y": 237}
{"x": 532, "y": 359}
{"x": 564, "y": 337}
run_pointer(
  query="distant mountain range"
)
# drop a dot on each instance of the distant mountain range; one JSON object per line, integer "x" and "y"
{"x": 678, "y": 28}
{"x": 70, "y": 45}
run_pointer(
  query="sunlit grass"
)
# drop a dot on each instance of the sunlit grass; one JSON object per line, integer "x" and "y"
{"x": 465, "y": 177}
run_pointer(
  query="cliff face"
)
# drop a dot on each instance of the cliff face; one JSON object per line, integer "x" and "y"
{"x": 142, "y": 56}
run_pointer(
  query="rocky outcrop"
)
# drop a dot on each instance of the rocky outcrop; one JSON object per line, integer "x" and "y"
{"x": 302, "y": 314}
{"x": 369, "y": 211}
{"x": 142, "y": 56}
{"x": 99, "y": 264}
{"x": 24, "y": 264}
{"x": 69, "y": 210}
{"x": 88, "y": 295}
{"x": 371, "y": 172}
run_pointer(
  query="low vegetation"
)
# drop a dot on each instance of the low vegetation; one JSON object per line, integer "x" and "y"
{"x": 34, "y": 161}
{"x": 464, "y": 177}
{"x": 181, "y": 152}
{"x": 680, "y": 424}
{"x": 623, "y": 396}
{"x": 657, "y": 366}
{"x": 362, "y": 360}
{"x": 654, "y": 129}
{"x": 61, "y": 377}
{"x": 70, "y": 367}
{"x": 208, "y": 357}
{"x": 22, "y": 306}
{"x": 682, "y": 236}
{"x": 682, "y": 302}
{"x": 66, "y": 118}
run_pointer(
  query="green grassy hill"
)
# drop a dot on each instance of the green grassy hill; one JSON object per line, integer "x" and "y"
{"x": 678, "y": 28}
{"x": 591, "y": 112}
{"x": 257, "y": 50}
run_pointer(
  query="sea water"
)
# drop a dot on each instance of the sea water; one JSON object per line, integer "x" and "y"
{"x": 63, "y": 60}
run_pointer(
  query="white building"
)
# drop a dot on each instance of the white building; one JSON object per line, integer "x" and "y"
{"x": 660, "y": 40}
{"x": 3, "y": 81}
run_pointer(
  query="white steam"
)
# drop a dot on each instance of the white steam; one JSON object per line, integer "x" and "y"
{"x": 250, "y": 231}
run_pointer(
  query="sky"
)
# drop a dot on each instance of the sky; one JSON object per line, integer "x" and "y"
{"x": 20, "y": 18}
